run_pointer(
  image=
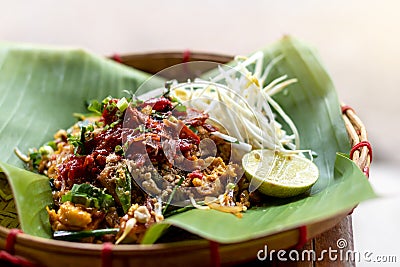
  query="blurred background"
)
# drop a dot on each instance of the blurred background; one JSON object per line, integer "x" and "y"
{"x": 358, "y": 41}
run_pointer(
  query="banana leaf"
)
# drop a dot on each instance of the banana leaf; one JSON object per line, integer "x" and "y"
{"x": 42, "y": 87}
{"x": 32, "y": 193}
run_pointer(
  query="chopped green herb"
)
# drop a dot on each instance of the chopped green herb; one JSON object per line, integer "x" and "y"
{"x": 123, "y": 190}
{"x": 125, "y": 146}
{"x": 99, "y": 124}
{"x": 78, "y": 235}
{"x": 180, "y": 108}
{"x": 35, "y": 158}
{"x": 46, "y": 150}
{"x": 110, "y": 106}
{"x": 83, "y": 139}
{"x": 174, "y": 99}
{"x": 75, "y": 141}
{"x": 52, "y": 144}
{"x": 142, "y": 128}
{"x": 106, "y": 100}
{"x": 193, "y": 129}
{"x": 89, "y": 196}
{"x": 181, "y": 179}
{"x": 130, "y": 94}
{"x": 95, "y": 107}
{"x": 167, "y": 86}
{"x": 119, "y": 150}
{"x": 114, "y": 123}
{"x": 119, "y": 114}
{"x": 78, "y": 142}
{"x": 158, "y": 115}
{"x": 135, "y": 102}
{"x": 122, "y": 104}
{"x": 90, "y": 128}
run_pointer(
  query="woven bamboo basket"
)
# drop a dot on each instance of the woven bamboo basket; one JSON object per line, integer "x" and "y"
{"x": 25, "y": 250}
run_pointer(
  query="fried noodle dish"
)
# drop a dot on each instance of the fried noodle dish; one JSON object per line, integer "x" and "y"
{"x": 133, "y": 162}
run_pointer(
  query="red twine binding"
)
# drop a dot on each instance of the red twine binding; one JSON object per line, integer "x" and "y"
{"x": 10, "y": 241}
{"x": 302, "y": 237}
{"x": 366, "y": 168}
{"x": 106, "y": 255}
{"x": 366, "y": 171}
{"x": 358, "y": 146}
{"x": 214, "y": 253}
{"x": 186, "y": 56}
{"x": 15, "y": 260}
{"x": 8, "y": 254}
{"x": 117, "y": 58}
{"x": 346, "y": 108}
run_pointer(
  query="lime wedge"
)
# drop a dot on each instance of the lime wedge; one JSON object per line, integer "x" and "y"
{"x": 279, "y": 174}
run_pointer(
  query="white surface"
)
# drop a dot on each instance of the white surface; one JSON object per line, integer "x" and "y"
{"x": 376, "y": 223}
{"x": 359, "y": 42}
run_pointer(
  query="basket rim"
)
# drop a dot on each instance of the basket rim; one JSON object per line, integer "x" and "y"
{"x": 124, "y": 249}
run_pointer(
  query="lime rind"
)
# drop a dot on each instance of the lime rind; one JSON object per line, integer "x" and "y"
{"x": 280, "y": 174}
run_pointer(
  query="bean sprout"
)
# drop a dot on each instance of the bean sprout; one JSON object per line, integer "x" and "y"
{"x": 237, "y": 96}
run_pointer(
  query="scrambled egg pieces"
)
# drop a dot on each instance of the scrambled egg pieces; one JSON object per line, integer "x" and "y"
{"x": 69, "y": 217}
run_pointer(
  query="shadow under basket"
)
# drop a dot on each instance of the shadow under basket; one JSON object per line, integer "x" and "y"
{"x": 20, "y": 249}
